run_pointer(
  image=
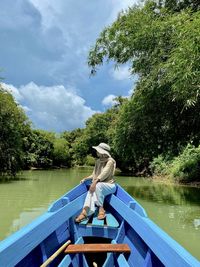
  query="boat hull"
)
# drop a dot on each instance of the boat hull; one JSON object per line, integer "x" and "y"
{"x": 150, "y": 245}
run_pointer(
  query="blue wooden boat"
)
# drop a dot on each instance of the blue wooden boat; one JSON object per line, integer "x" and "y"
{"x": 126, "y": 223}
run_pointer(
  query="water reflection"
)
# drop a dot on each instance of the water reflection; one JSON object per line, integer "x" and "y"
{"x": 196, "y": 223}
{"x": 176, "y": 195}
{"x": 176, "y": 209}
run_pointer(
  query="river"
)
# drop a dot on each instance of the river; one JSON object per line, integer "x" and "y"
{"x": 176, "y": 209}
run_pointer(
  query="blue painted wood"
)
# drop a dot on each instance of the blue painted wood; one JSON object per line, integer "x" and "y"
{"x": 68, "y": 259}
{"x": 61, "y": 202}
{"x": 109, "y": 260}
{"x": 62, "y": 232}
{"x": 82, "y": 260}
{"x": 111, "y": 221}
{"x": 27, "y": 247}
{"x": 16, "y": 247}
{"x": 159, "y": 242}
{"x": 97, "y": 231}
{"x": 85, "y": 264}
{"x": 95, "y": 220}
{"x": 76, "y": 191}
{"x": 137, "y": 246}
{"x": 148, "y": 262}
{"x": 33, "y": 259}
{"x": 65, "y": 200}
{"x": 44, "y": 255}
{"x": 56, "y": 205}
{"x": 110, "y": 257}
{"x": 88, "y": 182}
{"x": 121, "y": 234}
{"x": 54, "y": 242}
{"x": 121, "y": 260}
{"x": 138, "y": 208}
{"x": 123, "y": 195}
{"x": 84, "y": 222}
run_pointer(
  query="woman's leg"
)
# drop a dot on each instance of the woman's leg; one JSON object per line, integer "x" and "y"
{"x": 87, "y": 202}
{"x": 102, "y": 190}
{"x": 86, "y": 207}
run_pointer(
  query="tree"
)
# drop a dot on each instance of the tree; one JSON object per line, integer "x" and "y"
{"x": 158, "y": 44}
{"x": 162, "y": 45}
{"x": 38, "y": 148}
{"x": 96, "y": 131}
{"x": 61, "y": 153}
{"x": 13, "y": 127}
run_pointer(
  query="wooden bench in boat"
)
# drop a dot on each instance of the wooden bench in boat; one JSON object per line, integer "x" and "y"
{"x": 97, "y": 248}
{"x": 109, "y": 221}
{"x": 67, "y": 248}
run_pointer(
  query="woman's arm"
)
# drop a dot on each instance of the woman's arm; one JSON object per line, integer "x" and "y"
{"x": 88, "y": 177}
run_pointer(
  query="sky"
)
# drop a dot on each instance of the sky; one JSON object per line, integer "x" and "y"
{"x": 43, "y": 59}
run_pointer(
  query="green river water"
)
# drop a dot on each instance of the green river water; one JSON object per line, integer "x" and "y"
{"x": 176, "y": 209}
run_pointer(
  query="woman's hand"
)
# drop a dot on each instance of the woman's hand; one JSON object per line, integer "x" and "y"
{"x": 82, "y": 181}
{"x": 92, "y": 187}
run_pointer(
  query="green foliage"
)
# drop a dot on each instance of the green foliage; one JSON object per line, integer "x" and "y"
{"x": 45, "y": 149}
{"x": 71, "y": 136}
{"x": 160, "y": 166}
{"x": 90, "y": 161}
{"x": 186, "y": 167}
{"x": 61, "y": 153}
{"x": 96, "y": 131}
{"x": 160, "y": 40}
{"x": 161, "y": 43}
{"x": 38, "y": 147}
{"x": 13, "y": 127}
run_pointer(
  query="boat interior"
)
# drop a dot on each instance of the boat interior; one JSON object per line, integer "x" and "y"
{"x": 114, "y": 229}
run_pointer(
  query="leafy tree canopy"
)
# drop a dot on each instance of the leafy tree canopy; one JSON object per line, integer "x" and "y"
{"x": 158, "y": 44}
{"x": 13, "y": 127}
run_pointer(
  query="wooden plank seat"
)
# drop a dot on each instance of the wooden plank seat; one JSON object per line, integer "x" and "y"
{"x": 97, "y": 248}
{"x": 109, "y": 221}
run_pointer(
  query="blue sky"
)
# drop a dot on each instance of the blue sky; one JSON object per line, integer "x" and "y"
{"x": 43, "y": 57}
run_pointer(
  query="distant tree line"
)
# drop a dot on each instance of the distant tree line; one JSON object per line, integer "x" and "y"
{"x": 157, "y": 130}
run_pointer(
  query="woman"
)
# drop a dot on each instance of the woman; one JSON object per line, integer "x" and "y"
{"x": 102, "y": 183}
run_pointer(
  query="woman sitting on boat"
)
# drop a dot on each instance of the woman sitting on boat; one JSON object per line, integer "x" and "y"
{"x": 102, "y": 183}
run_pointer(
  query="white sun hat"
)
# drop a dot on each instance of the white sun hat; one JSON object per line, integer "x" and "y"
{"x": 103, "y": 148}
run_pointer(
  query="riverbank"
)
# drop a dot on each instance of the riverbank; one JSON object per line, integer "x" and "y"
{"x": 162, "y": 179}
{"x": 169, "y": 181}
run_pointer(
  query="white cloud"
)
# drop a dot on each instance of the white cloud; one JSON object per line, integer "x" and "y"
{"x": 48, "y": 42}
{"x": 109, "y": 100}
{"x": 119, "y": 5}
{"x": 52, "y": 108}
{"x": 13, "y": 90}
{"x": 121, "y": 73}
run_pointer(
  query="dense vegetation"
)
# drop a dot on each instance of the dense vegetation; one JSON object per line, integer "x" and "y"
{"x": 13, "y": 127}
{"x": 161, "y": 43}
{"x": 21, "y": 147}
{"x": 157, "y": 130}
